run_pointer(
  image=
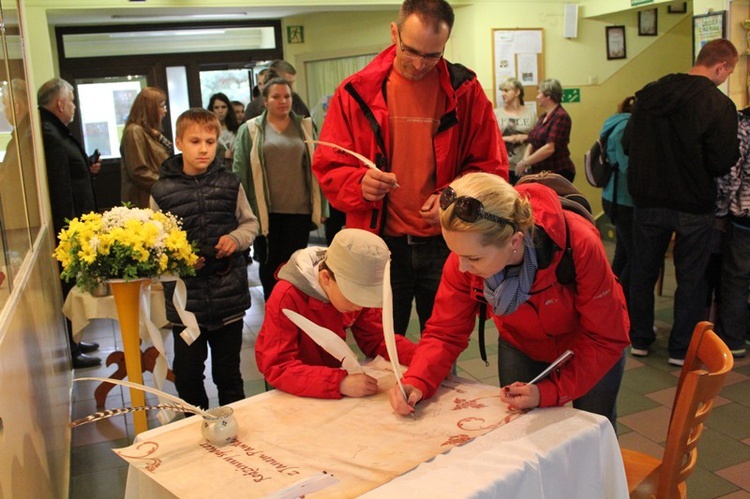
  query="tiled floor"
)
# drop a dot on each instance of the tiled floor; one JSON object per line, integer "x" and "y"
{"x": 643, "y": 405}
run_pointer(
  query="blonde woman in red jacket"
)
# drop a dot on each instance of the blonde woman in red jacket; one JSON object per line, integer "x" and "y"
{"x": 505, "y": 249}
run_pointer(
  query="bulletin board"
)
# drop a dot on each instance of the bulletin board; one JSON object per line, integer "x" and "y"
{"x": 517, "y": 53}
{"x": 708, "y": 27}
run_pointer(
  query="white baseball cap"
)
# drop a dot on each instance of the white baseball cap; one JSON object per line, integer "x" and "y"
{"x": 357, "y": 259}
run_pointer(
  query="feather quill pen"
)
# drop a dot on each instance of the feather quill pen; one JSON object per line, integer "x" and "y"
{"x": 173, "y": 398}
{"x": 388, "y": 331}
{"x": 357, "y": 155}
{"x": 327, "y": 340}
{"x": 98, "y": 416}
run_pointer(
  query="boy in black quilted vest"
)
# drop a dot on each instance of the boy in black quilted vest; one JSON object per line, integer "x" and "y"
{"x": 215, "y": 212}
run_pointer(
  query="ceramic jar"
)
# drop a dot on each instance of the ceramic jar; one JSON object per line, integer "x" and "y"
{"x": 221, "y": 427}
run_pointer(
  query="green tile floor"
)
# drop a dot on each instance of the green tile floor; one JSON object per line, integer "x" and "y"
{"x": 643, "y": 406}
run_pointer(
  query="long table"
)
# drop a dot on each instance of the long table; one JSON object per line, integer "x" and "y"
{"x": 552, "y": 453}
{"x": 351, "y": 447}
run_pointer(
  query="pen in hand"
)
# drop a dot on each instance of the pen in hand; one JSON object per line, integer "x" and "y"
{"x": 562, "y": 359}
{"x": 363, "y": 159}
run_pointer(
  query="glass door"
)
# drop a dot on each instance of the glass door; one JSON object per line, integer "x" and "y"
{"x": 236, "y": 84}
{"x": 20, "y": 218}
{"x": 104, "y": 105}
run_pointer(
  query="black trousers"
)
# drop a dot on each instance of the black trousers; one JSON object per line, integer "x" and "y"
{"x": 189, "y": 364}
{"x": 286, "y": 234}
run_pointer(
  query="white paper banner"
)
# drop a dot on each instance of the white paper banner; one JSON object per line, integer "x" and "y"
{"x": 179, "y": 300}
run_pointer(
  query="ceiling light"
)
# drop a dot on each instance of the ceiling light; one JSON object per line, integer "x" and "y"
{"x": 223, "y": 15}
{"x": 195, "y": 32}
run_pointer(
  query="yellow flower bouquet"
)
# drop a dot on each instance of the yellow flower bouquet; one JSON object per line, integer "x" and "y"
{"x": 124, "y": 243}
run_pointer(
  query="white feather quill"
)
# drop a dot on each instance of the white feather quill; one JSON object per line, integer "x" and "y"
{"x": 327, "y": 340}
{"x": 388, "y": 331}
{"x": 144, "y": 388}
{"x": 355, "y": 154}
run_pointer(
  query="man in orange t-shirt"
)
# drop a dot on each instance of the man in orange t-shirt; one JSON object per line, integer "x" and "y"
{"x": 423, "y": 121}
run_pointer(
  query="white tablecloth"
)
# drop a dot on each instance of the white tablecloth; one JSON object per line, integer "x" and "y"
{"x": 554, "y": 453}
{"x": 80, "y": 307}
{"x": 551, "y": 453}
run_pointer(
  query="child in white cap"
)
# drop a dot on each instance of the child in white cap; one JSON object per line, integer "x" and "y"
{"x": 336, "y": 288}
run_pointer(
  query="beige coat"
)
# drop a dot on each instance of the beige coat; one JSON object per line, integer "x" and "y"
{"x": 142, "y": 156}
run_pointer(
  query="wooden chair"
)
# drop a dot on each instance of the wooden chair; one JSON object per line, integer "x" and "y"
{"x": 693, "y": 402}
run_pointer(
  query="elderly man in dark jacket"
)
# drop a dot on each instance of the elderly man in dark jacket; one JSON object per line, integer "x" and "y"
{"x": 69, "y": 177}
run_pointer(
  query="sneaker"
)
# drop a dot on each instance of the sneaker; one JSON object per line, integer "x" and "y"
{"x": 739, "y": 353}
{"x": 639, "y": 352}
{"x": 673, "y": 361}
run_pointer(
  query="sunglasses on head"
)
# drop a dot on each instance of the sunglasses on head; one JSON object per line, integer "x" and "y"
{"x": 470, "y": 209}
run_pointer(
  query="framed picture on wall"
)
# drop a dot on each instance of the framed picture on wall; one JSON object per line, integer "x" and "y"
{"x": 677, "y": 8}
{"x": 616, "y": 42}
{"x": 707, "y": 27}
{"x": 647, "y": 22}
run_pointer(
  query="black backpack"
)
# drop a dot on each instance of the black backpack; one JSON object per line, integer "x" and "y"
{"x": 573, "y": 200}
{"x": 596, "y": 163}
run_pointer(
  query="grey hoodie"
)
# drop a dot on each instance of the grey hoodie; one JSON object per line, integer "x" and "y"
{"x": 302, "y": 271}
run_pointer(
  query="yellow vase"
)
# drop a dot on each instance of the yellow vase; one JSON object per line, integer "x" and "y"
{"x": 127, "y": 300}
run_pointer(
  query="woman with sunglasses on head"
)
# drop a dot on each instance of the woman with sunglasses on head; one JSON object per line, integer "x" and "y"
{"x": 505, "y": 250}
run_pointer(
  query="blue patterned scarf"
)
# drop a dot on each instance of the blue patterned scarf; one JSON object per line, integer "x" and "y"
{"x": 509, "y": 288}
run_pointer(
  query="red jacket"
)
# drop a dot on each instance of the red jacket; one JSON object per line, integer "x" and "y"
{"x": 291, "y": 361}
{"x": 589, "y": 318}
{"x": 468, "y": 138}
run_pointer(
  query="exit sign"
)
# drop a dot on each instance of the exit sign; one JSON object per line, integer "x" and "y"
{"x": 571, "y": 95}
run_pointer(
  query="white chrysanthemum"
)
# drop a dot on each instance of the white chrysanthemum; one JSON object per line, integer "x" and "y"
{"x": 147, "y": 244}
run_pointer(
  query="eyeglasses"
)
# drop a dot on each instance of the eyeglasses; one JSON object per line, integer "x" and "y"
{"x": 412, "y": 54}
{"x": 470, "y": 209}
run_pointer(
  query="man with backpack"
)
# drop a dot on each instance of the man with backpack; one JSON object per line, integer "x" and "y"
{"x": 682, "y": 135}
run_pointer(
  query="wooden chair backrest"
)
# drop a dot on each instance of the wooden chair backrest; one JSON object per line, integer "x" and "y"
{"x": 707, "y": 364}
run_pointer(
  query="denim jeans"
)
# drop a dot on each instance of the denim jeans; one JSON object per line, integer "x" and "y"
{"x": 652, "y": 231}
{"x": 735, "y": 279}
{"x": 415, "y": 275}
{"x": 189, "y": 364}
{"x": 513, "y": 365}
